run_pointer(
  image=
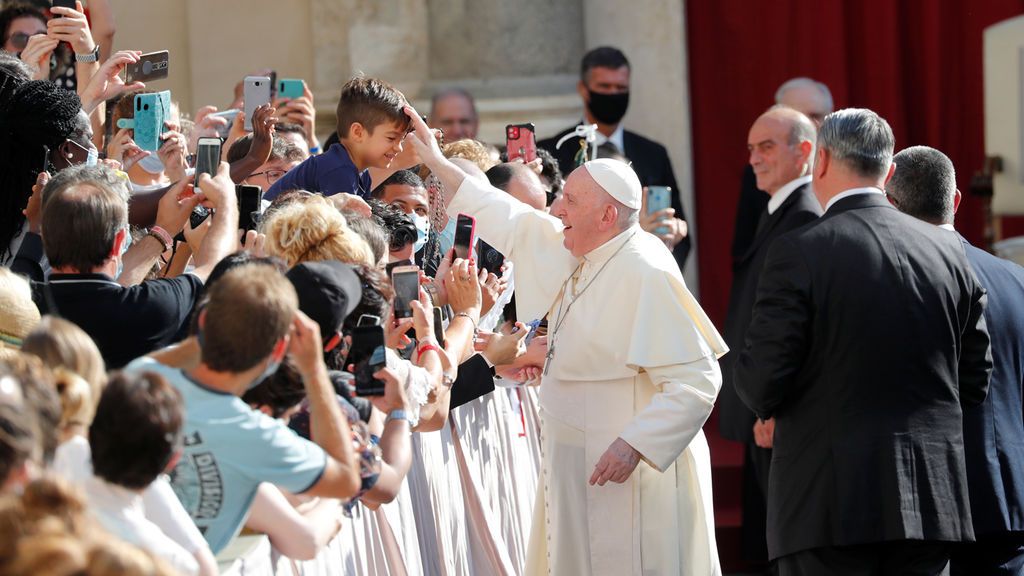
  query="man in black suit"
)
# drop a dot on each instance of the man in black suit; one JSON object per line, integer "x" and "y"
{"x": 781, "y": 144}
{"x": 924, "y": 186}
{"x": 814, "y": 100}
{"x": 867, "y": 337}
{"x": 604, "y": 88}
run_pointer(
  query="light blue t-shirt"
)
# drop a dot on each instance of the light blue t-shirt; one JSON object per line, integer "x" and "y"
{"x": 229, "y": 449}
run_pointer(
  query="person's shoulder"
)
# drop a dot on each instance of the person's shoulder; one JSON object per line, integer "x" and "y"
{"x": 633, "y": 140}
{"x": 986, "y": 261}
{"x": 149, "y": 364}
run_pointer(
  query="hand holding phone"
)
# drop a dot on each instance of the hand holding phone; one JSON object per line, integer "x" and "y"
{"x": 406, "y": 280}
{"x": 152, "y": 66}
{"x": 147, "y": 124}
{"x": 290, "y": 88}
{"x": 659, "y": 198}
{"x": 250, "y": 206}
{"x": 465, "y": 237}
{"x": 521, "y": 142}
{"x": 256, "y": 92}
{"x": 367, "y": 356}
{"x": 207, "y": 158}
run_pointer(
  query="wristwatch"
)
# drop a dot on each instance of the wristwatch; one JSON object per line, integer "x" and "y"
{"x": 398, "y": 415}
{"x": 93, "y": 56}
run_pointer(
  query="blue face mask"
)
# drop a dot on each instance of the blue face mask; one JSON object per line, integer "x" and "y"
{"x": 152, "y": 164}
{"x": 124, "y": 248}
{"x": 422, "y": 224}
{"x": 446, "y": 237}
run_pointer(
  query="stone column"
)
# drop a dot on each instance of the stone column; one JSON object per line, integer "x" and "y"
{"x": 653, "y": 36}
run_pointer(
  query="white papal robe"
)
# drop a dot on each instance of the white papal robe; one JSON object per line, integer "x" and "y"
{"x": 636, "y": 358}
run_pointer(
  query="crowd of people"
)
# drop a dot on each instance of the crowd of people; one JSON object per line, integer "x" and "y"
{"x": 179, "y": 366}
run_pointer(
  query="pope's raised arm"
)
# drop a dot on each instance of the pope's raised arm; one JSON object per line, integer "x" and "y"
{"x": 530, "y": 238}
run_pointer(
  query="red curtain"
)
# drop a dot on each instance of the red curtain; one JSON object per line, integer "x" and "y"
{"x": 918, "y": 63}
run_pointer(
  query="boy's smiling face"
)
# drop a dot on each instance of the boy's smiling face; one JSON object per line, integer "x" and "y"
{"x": 377, "y": 148}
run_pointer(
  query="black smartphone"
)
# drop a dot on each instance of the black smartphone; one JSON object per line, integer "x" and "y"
{"x": 207, "y": 157}
{"x": 250, "y": 206}
{"x": 465, "y": 235}
{"x": 64, "y": 4}
{"x": 368, "y": 320}
{"x": 367, "y": 357}
{"x": 439, "y": 325}
{"x": 406, "y": 281}
{"x": 152, "y": 66}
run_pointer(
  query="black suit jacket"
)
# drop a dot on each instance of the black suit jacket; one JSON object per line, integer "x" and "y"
{"x": 650, "y": 162}
{"x": 735, "y": 420}
{"x": 751, "y": 203}
{"x": 475, "y": 379}
{"x": 867, "y": 336}
{"x": 994, "y": 431}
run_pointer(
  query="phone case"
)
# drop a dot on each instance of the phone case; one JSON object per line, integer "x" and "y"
{"x": 256, "y": 93}
{"x": 65, "y": 4}
{"x": 471, "y": 239}
{"x": 250, "y": 206}
{"x": 152, "y": 66}
{"x": 406, "y": 281}
{"x": 290, "y": 88}
{"x": 151, "y": 111}
{"x": 659, "y": 198}
{"x": 521, "y": 142}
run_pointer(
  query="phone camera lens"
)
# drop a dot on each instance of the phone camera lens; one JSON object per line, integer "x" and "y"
{"x": 145, "y": 107}
{"x": 259, "y": 83}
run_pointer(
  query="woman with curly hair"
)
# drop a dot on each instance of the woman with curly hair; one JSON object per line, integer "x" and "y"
{"x": 310, "y": 229}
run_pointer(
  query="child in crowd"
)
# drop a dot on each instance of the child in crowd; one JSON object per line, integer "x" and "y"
{"x": 371, "y": 128}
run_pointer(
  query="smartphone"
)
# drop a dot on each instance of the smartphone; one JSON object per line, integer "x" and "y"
{"x": 256, "y": 93}
{"x": 406, "y": 280}
{"x": 207, "y": 157}
{"x": 465, "y": 236}
{"x": 147, "y": 122}
{"x": 521, "y": 142}
{"x": 63, "y": 3}
{"x": 368, "y": 320}
{"x": 367, "y": 357}
{"x": 439, "y": 326}
{"x": 532, "y": 326}
{"x": 152, "y": 66}
{"x": 659, "y": 198}
{"x": 290, "y": 88}
{"x": 229, "y": 115}
{"x": 392, "y": 265}
{"x": 250, "y": 206}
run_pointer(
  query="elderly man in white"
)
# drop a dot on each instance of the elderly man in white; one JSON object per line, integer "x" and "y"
{"x": 631, "y": 374}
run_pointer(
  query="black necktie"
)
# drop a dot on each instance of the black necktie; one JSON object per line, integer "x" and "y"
{"x": 761, "y": 223}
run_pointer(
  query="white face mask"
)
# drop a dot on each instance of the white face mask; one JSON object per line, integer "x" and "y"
{"x": 422, "y": 224}
{"x": 446, "y": 237}
{"x": 152, "y": 164}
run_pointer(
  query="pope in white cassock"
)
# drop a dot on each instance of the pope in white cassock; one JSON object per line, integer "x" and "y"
{"x": 631, "y": 375}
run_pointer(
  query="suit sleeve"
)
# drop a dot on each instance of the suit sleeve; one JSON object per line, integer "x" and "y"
{"x": 682, "y": 250}
{"x": 473, "y": 381}
{"x": 975, "y": 365}
{"x": 777, "y": 340}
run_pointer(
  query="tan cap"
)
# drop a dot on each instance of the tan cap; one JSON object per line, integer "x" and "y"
{"x": 617, "y": 179}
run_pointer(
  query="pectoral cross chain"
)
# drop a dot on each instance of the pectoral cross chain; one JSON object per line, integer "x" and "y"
{"x": 548, "y": 357}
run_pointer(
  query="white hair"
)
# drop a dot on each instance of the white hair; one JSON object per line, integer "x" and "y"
{"x": 805, "y": 82}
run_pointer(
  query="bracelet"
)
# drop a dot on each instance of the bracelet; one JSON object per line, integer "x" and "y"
{"x": 398, "y": 415}
{"x": 90, "y": 57}
{"x": 161, "y": 235}
{"x": 470, "y": 318}
{"x": 426, "y": 347}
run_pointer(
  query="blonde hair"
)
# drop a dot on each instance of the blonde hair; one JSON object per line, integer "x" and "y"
{"x": 61, "y": 344}
{"x": 20, "y": 314}
{"x": 77, "y": 404}
{"x": 475, "y": 152}
{"x": 313, "y": 230}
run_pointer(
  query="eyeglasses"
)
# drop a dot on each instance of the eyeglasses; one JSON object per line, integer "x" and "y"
{"x": 19, "y": 40}
{"x": 271, "y": 175}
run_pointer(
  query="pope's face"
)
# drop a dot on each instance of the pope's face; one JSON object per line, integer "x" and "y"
{"x": 580, "y": 211}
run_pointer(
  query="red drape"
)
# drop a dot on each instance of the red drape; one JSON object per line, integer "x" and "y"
{"x": 918, "y": 63}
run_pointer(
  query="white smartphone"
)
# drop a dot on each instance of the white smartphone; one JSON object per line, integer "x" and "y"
{"x": 256, "y": 93}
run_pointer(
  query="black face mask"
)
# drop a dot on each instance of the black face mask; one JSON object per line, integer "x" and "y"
{"x": 608, "y": 108}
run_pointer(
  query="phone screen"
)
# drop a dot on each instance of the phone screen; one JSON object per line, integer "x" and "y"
{"x": 407, "y": 289}
{"x": 250, "y": 206}
{"x": 207, "y": 157}
{"x": 465, "y": 227}
{"x": 367, "y": 356}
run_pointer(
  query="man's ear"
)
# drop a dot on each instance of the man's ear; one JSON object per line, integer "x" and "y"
{"x": 119, "y": 239}
{"x": 956, "y": 200}
{"x": 581, "y": 89}
{"x": 202, "y": 318}
{"x": 892, "y": 170}
{"x": 821, "y": 163}
{"x": 280, "y": 349}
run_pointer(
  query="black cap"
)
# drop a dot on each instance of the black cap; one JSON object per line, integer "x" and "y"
{"x": 328, "y": 292}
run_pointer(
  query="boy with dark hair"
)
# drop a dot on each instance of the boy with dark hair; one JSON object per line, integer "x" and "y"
{"x": 371, "y": 128}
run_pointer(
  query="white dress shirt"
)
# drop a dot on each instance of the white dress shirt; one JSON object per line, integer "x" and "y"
{"x": 852, "y": 192}
{"x": 782, "y": 193}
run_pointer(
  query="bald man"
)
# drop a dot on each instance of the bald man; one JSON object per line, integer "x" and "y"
{"x": 631, "y": 374}
{"x": 521, "y": 182}
{"x": 454, "y": 112}
{"x": 781, "y": 144}
{"x": 805, "y": 95}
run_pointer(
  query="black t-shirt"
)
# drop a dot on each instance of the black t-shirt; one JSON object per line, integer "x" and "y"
{"x": 125, "y": 323}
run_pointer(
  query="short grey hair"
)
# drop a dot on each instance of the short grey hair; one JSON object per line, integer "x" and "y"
{"x": 924, "y": 184}
{"x": 860, "y": 139}
{"x": 626, "y": 216}
{"x": 805, "y": 82}
{"x": 801, "y": 128}
{"x": 96, "y": 175}
{"x": 449, "y": 92}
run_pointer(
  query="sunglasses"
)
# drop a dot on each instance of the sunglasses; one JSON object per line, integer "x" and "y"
{"x": 19, "y": 40}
